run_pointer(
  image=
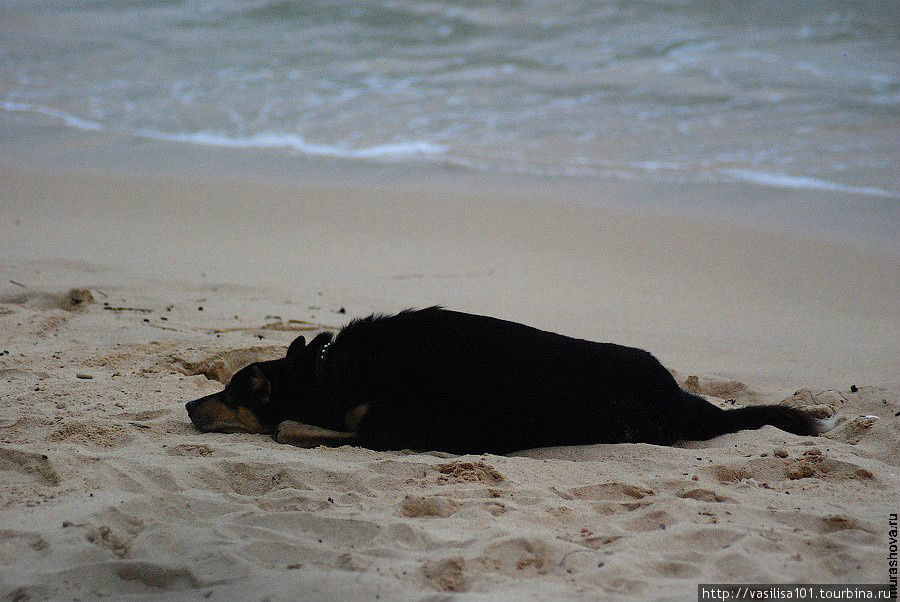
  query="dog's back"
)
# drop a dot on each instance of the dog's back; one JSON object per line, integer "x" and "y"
{"x": 440, "y": 379}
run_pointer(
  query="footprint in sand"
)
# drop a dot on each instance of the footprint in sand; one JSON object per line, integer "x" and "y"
{"x": 10, "y": 374}
{"x": 76, "y": 299}
{"x": 35, "y": 466}
{"x": 703, "y": 495}
{"x": 612, "y": 491}
{"x": 251, "y": 479}
{"x": 517, "y": 556}
{"x": 812, "y": 464}
{"x": 461, "y": 472}
{"x": 653, "y": 520}
{"x": 706, "y": 539}
{"x": 104, "y": 537}
{"x": 41, "y": 314}
{"x": 14, "y": 544}
{"x": 832, "y": 523}
{"x": 853, "y": 431}
{"x": 92, "y": 434}
{"x": 428, "y": 506}
{"x": 613, "y": 497}
{"x": 438, "y": 506}
{"x": 157, "y": 575}
{"x": 325, "y": 532}
{"x": 447, "y": 574}
{"x": 672, "y": 569}
{"x": 823, "y": 404}
{"x": 723, "y": 389}
{"x": 29, "y": 592}
{"x": 822, "y": 467}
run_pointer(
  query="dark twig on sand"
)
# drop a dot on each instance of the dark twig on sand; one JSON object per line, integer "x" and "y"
{"x": 152, "y": 325}
{"x": 288, "y": 326}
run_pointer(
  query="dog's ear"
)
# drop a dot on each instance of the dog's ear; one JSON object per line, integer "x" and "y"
{"x": 320, "y": 340}
{"x": 296, "y": 347}
{"x": 297, "y": 353}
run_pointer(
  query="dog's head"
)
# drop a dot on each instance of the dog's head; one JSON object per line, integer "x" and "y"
{"x": 242, "y": 407}
{"x": 260, "y": 395}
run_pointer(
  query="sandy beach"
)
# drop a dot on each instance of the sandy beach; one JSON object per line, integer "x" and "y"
{"x": 126, "y": 291}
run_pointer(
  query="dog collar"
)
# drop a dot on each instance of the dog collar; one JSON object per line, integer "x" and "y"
{"x": 321, "y": 358}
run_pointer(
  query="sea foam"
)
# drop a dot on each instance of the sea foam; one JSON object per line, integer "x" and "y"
{"x": 787, "y": 181}
{"x": 68, "y": 118}
{"x": 291, "y": 141}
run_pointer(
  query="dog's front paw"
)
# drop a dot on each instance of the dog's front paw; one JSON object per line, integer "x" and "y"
{"x": 287, "y": 432}
{"x": 308, "y": 435}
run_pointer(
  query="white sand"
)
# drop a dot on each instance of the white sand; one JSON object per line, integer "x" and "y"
{"x": 106, "y": 489}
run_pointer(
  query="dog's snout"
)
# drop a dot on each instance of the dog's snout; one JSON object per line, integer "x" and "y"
{"x": 193, "y": 405}
{"x": 211, "y": 414}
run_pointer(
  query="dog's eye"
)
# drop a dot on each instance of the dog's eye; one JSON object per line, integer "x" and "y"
{"x": 229, "y": 398}
{"x": 241, "y": 392}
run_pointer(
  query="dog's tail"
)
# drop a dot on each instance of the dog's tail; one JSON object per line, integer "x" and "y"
{"x": 703, "y": 420}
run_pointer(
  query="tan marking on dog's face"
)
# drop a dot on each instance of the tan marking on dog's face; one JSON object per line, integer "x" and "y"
{"x": 249, "y": 421}
{"x": 355, "y": 416}
{"x": 213, "y": 415}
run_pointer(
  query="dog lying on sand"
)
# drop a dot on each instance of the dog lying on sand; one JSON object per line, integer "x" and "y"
{"x": 435, "y": 379}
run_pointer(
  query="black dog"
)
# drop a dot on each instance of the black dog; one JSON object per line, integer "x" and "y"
{"x": 435, "y": 379}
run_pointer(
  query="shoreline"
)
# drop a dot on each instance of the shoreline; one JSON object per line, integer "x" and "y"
{"x": 859, "y": 221}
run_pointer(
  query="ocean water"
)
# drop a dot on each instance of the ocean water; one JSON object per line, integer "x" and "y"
{"x": 799, "y": 94}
